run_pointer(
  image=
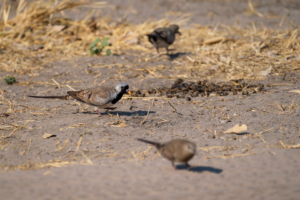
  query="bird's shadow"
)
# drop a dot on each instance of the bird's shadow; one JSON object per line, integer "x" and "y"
{"x": 199, "y": 169}
{"x": 173, "y": 56}
{"x": 243, "y": 133}
{"x": 122, "y": 113}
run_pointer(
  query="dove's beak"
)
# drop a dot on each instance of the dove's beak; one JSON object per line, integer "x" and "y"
{"x": 178, "y": 32}
{"x": 128, "y": 92}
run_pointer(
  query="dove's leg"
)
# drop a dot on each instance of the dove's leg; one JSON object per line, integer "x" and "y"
{"x": 188, "y": 166}
{"x": 167, "y": 50}
{"x": 157, "y": 50}
{"x": 98, "y": 113}
{"x": 173, "y": 165}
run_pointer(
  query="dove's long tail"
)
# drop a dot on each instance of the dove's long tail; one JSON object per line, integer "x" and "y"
{"x": 49, "y": 97}
{"x": 157, "y": 145}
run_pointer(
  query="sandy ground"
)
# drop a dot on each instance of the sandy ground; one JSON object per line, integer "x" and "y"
{"x": 105, "y": 159}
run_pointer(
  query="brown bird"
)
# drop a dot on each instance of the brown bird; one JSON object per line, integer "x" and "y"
{"x": 163, "y": 37}
{"x": 100, "y": 97}
{"x": 178, "y": 150}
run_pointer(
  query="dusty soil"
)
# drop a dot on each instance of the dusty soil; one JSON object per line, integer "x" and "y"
{"x": 98, "y": 157}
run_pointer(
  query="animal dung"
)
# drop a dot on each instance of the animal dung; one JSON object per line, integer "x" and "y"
{"x": 188, "y": 90}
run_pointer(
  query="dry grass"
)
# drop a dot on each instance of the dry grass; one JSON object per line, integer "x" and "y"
{"x": 30, "y": 165}
{"x": 140, "y": 155}
{"x": 287, "y": 146}
{"x": 223, "y": 51}
{"x": 225, "y": 156}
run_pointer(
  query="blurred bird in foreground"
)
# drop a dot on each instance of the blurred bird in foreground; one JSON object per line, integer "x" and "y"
{"x": 178, "y": 150}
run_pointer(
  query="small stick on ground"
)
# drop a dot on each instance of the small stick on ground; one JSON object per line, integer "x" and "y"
{"x": 29, "y": 145}
{"x": 172, "y": 107}
{"x": 87, "y": 159}
{"x": 147, "y": 113}
{"x": 10, "y": 133}
{"x": 229, "y": 155}
{"x": 296, "y": 137}
{"x": 79, "y": 142}
{"x": 265, "y": 131}
{"x": 216, "y": 134}
{"x": 262, "y": 139}
{"x": 61, "y": 148}
{"x": 70, "y": 87}
{"x": 28, "y": 83}
{"x": 287, "y": 117}
{"x": 56, "y": 83}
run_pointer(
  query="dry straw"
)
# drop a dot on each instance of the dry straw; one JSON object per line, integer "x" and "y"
{"x": 225, "y": 52}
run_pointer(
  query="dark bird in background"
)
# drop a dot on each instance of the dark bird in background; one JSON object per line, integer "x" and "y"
{"x": 163, "y": 37}
{"x": 99, "y": 97}
{"x": 178, "y": 150}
